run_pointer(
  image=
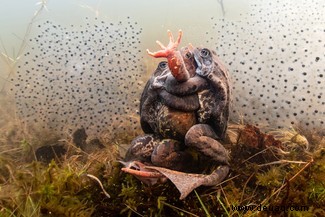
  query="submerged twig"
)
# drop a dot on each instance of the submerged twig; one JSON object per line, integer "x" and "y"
{"x": 260, "y": 152}
{"x": 249, "y": 178}
{"x": 222, "y": 8}
{"x": 100, "y": 184}
{"x": 282, "y": 162}
{"x": 133, "y": 210}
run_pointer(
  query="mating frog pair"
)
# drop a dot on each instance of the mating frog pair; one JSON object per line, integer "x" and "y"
{"x": 184, "y": 111}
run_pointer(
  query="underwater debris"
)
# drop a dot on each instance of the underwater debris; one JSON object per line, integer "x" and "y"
{"x": 222, "y": 7}
{"x": 48, "y": 153}
{"x": 79, "y": 138}
{"x": 252, "y": 136}
{"x": 100, "y": 184}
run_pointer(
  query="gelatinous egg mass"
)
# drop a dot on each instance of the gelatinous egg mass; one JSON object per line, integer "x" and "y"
{"x": 92, "y": 75}
{"x": 275, "y": 55}
{"x": 81, "y": 76}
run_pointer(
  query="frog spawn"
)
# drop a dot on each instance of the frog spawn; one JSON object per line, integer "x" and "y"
{"x": 78, "y": 77}
{"x": 81, "y": 76}
{"x": 276, "y": 58}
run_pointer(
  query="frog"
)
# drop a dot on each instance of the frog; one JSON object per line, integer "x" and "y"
{"x": 184, "y": 107}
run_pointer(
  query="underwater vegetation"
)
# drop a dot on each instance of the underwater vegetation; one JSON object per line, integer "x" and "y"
{"x": 283, "y": 168}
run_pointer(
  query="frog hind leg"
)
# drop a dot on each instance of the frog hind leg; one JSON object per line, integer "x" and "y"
{"x": 187, "y": 182}
{"x": 202, "y": 138}
{"x": 171, "y": 154}
{"x": 141, "y": 148}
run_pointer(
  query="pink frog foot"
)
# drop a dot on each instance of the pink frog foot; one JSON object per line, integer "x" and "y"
{"x": 175, "y": 60}
{"x": 140, "y": 171}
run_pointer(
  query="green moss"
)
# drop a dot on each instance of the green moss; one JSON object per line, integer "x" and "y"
{"x": 270, "y": 179}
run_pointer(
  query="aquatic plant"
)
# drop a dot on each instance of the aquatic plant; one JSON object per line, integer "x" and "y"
{"x": 284, "y": 175}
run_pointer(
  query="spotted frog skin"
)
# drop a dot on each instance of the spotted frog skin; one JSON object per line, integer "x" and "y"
{"x": 184, "y": 107}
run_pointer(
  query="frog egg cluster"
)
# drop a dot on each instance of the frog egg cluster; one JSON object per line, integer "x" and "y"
{"x": 82, "y": 76}
{"x": 275, "y": 55}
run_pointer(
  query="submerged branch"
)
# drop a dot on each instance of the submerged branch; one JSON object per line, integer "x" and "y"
{"x": 283, "y": 162}
{"x": 222, "y": 8}
{"x": 100, "y": 184}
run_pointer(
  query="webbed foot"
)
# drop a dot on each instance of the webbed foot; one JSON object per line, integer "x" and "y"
{"x": 184, "y": 182}
{"x": 187, "y": 182}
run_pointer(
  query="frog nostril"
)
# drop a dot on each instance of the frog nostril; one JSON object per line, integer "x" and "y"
{"x": 204, "y": 52}
{"x": 188, "y": 55}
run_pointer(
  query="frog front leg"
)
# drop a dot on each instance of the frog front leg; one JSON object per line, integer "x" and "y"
{"x": 191, "y": 86}
{"x": 174, "y": 57}
{"x": 182, "y": 103}
{"x": 211, "y": 68}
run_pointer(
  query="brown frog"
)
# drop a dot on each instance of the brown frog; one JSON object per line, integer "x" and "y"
{"x": 184, "y": 107}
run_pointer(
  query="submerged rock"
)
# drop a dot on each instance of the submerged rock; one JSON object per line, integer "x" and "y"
{"x": 48, "y": 153}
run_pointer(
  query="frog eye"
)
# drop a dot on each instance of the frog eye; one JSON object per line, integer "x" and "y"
{"x": 204, "y": 52}
{"x": 163, "y": 65}
{"x": 188, "y": 55}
